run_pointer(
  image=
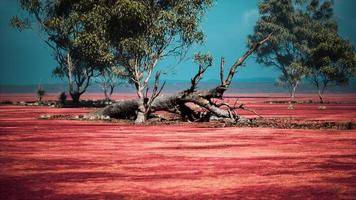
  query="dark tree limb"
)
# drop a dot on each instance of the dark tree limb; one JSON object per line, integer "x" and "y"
{"x": 241, "y": 60}
{"x": 156, "y": 91}
{"x": 222, "y": 65}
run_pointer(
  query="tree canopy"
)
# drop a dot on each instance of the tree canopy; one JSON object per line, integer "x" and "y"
{"x": 66, "y": 27}
{"x": 143, "y": 32}
{"x": 305, "y": 43}
{"x": 329, "y": 57}
{"x": 282, "y": 51}
{"x": 88, "y": 36}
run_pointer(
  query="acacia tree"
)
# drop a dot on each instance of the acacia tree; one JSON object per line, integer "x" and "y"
{"x": 283, "y": 18}
{"x": 64, "y": 26}
{"x": 331, "y": 60}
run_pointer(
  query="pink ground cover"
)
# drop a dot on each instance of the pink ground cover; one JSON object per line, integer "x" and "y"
{"x": 66, "y": 159}
{"x": 340, "y": 107}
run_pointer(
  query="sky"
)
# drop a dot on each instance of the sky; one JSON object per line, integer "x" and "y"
{"x": 25, "y": 58}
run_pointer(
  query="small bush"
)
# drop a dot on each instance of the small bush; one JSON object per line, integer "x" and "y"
{"x": 40, "y": 94}
{"x": 62, "y": 98}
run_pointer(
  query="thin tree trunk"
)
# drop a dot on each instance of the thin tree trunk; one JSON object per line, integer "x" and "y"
{"x": 111, "y": 91}
{"x": 70, "y": 77}
{"x": 320, "y": 95}
{"x": 293, "y": 90}
{"x": 107, "y": 98}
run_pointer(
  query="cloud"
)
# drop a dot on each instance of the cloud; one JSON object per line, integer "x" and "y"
{"x": 249, "y": 17}
{"x": 242, "y": 25}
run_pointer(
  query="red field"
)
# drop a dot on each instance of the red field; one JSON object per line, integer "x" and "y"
{"x": 61, "y": 159}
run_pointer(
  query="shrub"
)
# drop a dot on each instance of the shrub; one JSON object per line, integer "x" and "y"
{"x": 62, "y": 98}
{"x": 40, "y": 94}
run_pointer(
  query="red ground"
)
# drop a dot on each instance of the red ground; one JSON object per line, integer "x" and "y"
{"x": 59, "y": 159}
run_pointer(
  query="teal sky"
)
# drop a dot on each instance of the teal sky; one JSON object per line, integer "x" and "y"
{"x": 25, "y": 58}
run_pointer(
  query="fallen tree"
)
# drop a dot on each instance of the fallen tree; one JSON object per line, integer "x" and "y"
{"x": 178, "y": 103}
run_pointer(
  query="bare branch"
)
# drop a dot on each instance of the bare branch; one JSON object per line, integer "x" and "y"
{"x": 242, "y": 107}
{"x": 222, "y": 64}
{"x": 196, "y": 79}
{"x": 155, "y": 91}
{"x": 241, "y": 60}
{"x": 204, "y": 61}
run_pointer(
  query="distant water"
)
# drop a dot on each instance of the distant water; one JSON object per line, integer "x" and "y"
{"x": 238, "y": 87}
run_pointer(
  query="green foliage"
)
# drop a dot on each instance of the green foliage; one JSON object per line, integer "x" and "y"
{"x": 141, "y": 32}
{"x": 305, "y": 42}
{"x": 118, "y": 72}
{"x": 96, "y": 34}
{"x": 283, "y": 49}
{"x": 110, "y": 78}
{"x": 20, "y": 24}
{"x": 67, "y": 27}
{"x": 203, "y": 60}
{"x": 329, "y": 57}
{"x": 295, "y": 72}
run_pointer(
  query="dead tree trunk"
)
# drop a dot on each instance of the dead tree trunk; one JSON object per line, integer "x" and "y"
{"x": 177, "y": 103}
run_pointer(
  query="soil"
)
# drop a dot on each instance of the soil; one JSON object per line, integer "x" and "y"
{"x": 72, "y": 159}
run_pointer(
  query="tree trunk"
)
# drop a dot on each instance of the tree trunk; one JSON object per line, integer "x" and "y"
{"x": 39, "y": 99}
{"x": 141, "y": 117}
{"x": 75, "y": 97}
{"x": 320, "y": 95}
{"x": 107, "y": 98}
{"x": 174, "y": 104}
{"x": 112, "y": 87}
{"x": 141, "y": 111}
{"x": 293, "y": 90}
